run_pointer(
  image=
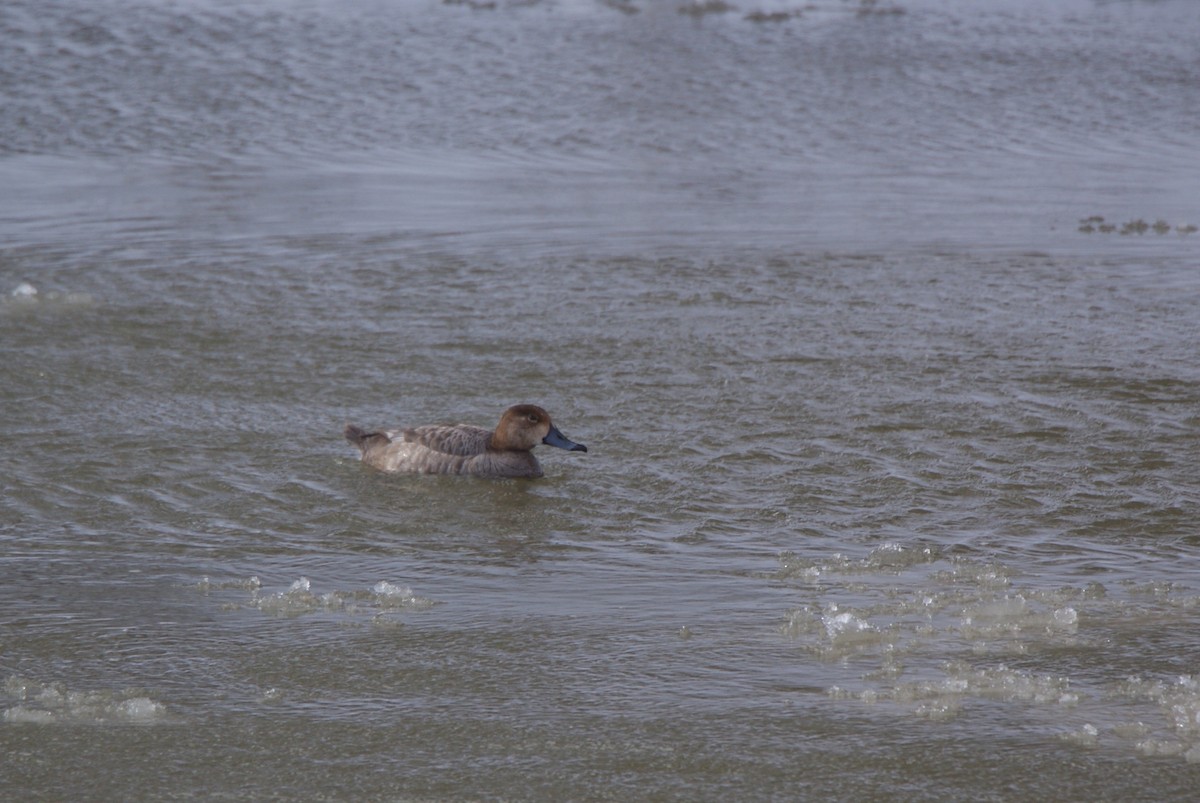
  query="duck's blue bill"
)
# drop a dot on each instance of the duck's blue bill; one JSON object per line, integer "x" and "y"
{"x": 556, "y": 438}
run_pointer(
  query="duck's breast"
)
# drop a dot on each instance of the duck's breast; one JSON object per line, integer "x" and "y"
{"x": 502, "y": 464}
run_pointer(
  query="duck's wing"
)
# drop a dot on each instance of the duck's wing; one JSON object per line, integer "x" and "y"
{"x": 462, "y": 440}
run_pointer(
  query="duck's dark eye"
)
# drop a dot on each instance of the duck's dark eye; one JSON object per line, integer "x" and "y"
{"x": 532, "y": 418}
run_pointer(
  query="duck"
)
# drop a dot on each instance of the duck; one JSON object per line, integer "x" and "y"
{"x": 464, "y": 449}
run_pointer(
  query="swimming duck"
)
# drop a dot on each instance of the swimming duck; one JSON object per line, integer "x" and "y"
{"x": 465, "y": 449}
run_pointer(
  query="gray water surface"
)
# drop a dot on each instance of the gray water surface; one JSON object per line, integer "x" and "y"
{"x": 879, "y": 322}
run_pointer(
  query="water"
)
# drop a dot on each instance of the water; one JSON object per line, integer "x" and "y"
{"x": 890, "y": 488}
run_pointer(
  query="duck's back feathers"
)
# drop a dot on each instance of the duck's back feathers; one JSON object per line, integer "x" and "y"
{"x": 461, "y": 439}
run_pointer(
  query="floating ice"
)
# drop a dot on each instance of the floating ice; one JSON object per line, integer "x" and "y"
{"x": 1185, "y": 715}
{"x": 928, "y": 638}
{"x": 849, "y": 632}
{"x": 842, "y": 624}
{"x": 25, "y": 291}
{"x": 391, "y": 589}
{"x": 206, "y": 584}
{"x": 53, "y": 703}
{"x": 792, "y": 566}
{"x": 297, "y": 600}
{"x": 890, "y": 557}
{"x": 1131, "y": 730}
{"x": 1065, "y": 618}
{"x": 894, "y": 556}
{"x": 141, "y": 709}
{"x": 799, "y": 622}
{"x": 391, "y": 595}
{"x": 964, "y": 572}
{"x": 1087, "y": 736}
{"x": 940, "y": 710}
{"x": 1005, "y": 609}
{"x": 956, "y": 685}
{"x": 1161, "y": 747}
{"x": 20, "y": 713}
{"x": 300, "y": 599}
{"x": 1179, "y": 703}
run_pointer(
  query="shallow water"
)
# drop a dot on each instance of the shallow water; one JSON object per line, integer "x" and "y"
{"x": 891, "y": 484}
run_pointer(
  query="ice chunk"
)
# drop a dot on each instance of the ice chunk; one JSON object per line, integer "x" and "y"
{"x": 843, "y": 623}
{"x": 1005, "y": 609}
{"x": 847, "y": 630}
{"x": 386, "y": 589}
{"x": 940, "y": 710}
{"x": 1065, "y": 618}
{"x": 1086, "y": 736}
{"x": 391, "y": 595}
{"x": 1160, "y": 747}
{"x": 299, "y": 599}
{"x": 24, "y": 291}
{"x": 895, "y": 556}
{"x": 35, "y": 716}
{"x": 1131, "y": 730}
{"x": 141, "y": 709}
{"x": 53, "y": 703}
{"x": 799, "y": 622}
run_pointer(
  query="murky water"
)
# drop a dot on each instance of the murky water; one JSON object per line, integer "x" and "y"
{"x": 879, "y": 321}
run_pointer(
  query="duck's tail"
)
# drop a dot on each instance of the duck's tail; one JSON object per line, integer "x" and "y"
{"x": 363, "y": 439}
